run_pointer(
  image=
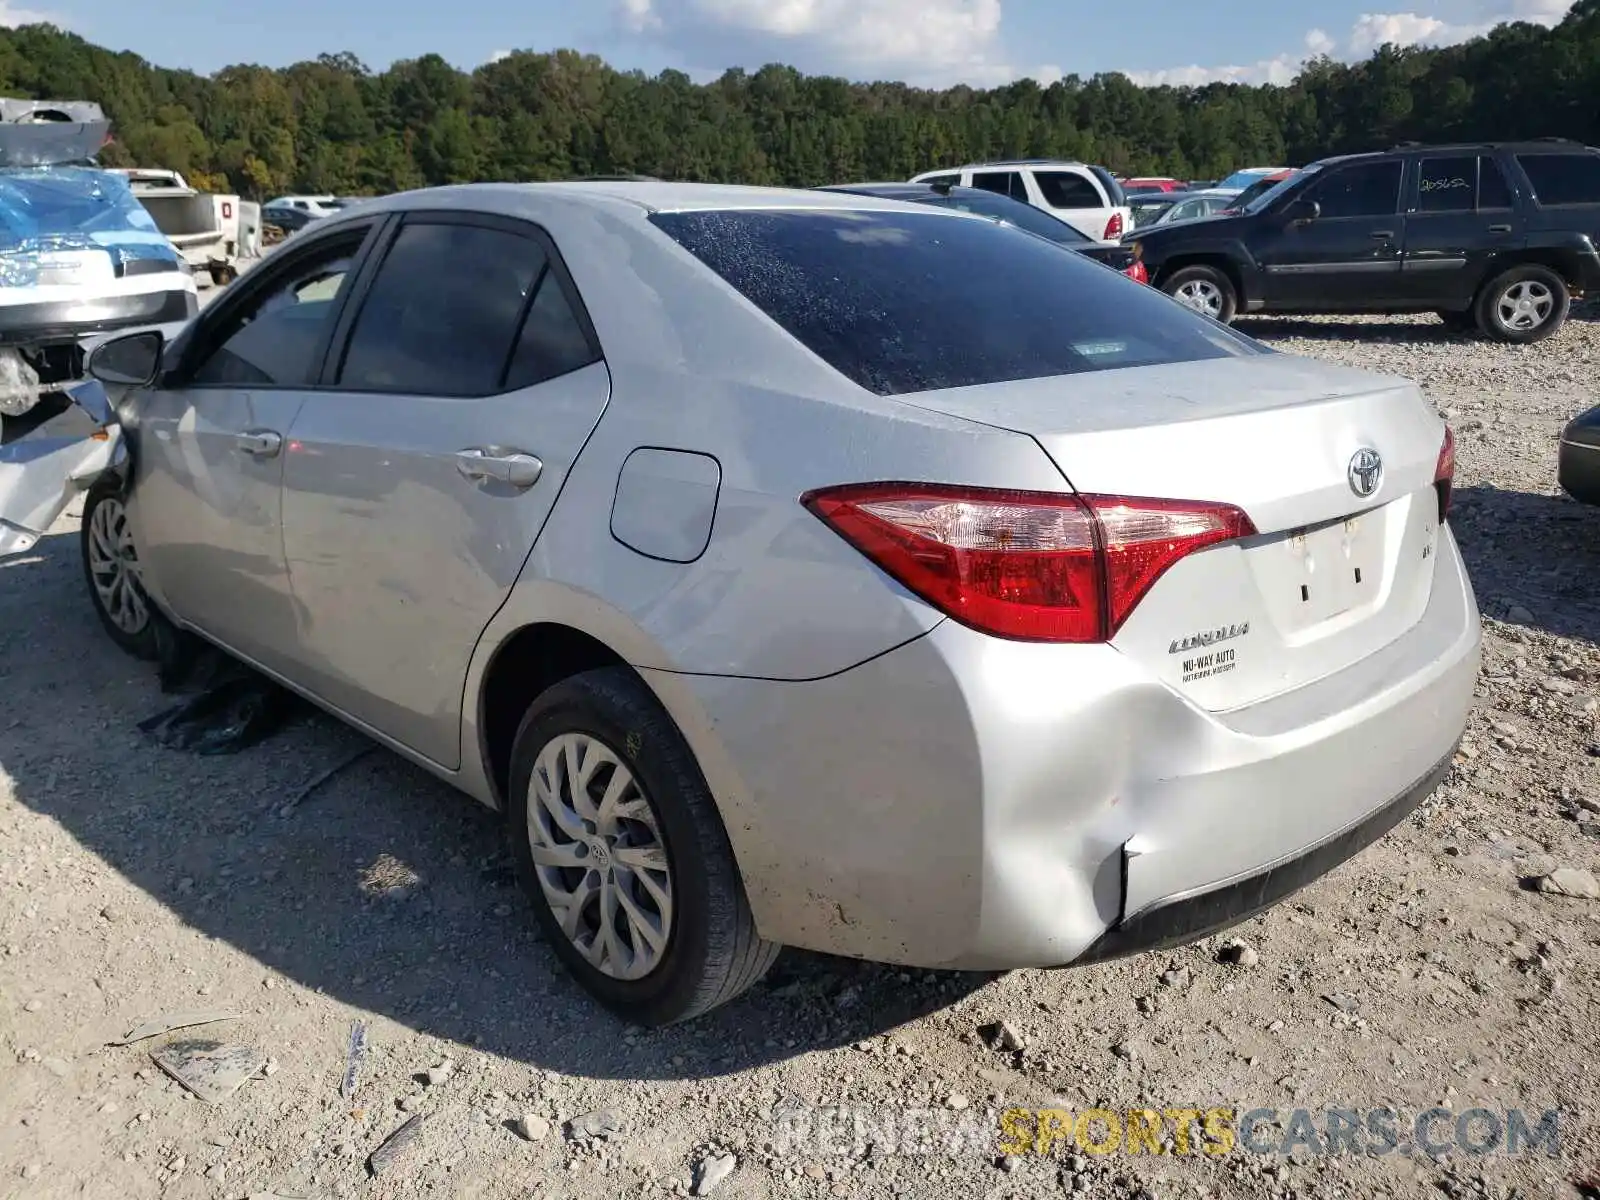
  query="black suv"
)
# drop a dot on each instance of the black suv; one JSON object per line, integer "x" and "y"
{"x": 1499, "y": 236}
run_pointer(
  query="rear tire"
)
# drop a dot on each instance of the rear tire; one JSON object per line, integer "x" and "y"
{"x": 1204, "y": 289}
{"x": 114, "y": 574}
{"x": 1523, "y": 305}
{"x": 660, "y": 930}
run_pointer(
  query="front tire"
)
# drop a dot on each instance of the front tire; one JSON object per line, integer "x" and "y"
{"x": 1523, "y": 305}
{"x": 1204, "y": 289}
{"x": 115, "y": 576}
{"x": 622, "y": 852}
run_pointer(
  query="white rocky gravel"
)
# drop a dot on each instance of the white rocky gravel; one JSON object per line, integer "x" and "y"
{"x": 136, "y": 883}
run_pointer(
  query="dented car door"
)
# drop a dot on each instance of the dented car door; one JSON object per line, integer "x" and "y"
{"x": 210, "y": 443}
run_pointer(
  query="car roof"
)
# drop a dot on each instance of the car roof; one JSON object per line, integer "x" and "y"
{"x": 640, "y": 199}
{"x": 1533, "y": 146}
{"x": 1010, "y": 162}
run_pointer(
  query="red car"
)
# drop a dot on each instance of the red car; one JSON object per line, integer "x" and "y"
{"x": 1265, "y": 184}
{"x": 1154, "y": 183}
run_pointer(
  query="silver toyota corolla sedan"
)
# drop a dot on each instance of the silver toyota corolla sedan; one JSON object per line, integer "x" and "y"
{"x": 796, "y": 568}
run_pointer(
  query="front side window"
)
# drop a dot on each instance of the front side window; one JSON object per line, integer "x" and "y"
{"x": 274, "y": 339}
{"x": 1365, "y": 190}
{"x": 1068, "y": 189}
{"x": 1563, "y": 178}
{"x": 904, "y": 302}
{"x": 443, "y": 312}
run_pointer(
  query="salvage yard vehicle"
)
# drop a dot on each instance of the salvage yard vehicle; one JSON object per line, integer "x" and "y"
{"x": 1578, "y": 465}
{"x": 1002, "y": 208}
{"x": 217, "y": 234}
{"x": 78, "y": 256}
{"x": 1084, "y": 196}
{"x": 801, "y": 567}
{"x": 1497, "y": 237}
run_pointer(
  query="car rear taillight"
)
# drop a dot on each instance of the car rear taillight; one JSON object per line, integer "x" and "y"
{"x": 1031, "y": 566}
{"x": 1444, "y": 473}
{"x": 1137, "y": 272}
{"x": 1114, "y": 227}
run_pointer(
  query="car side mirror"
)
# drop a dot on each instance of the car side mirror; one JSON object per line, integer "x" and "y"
{"x": 1303, "y": 212}
{"x": 132, "y": 360}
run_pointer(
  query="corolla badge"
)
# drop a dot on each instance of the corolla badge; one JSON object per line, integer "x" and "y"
{"x": 1366, "y": 471}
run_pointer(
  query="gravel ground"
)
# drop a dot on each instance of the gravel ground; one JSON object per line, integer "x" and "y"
{"x": 139, "y": 883}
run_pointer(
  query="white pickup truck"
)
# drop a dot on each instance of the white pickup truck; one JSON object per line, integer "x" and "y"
{"x": 218, "y": 236}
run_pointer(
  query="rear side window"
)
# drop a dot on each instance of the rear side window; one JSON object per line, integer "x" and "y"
{"x": 553, "y": 341}
{"x": 1068, "y": 189}
{"x": 1447, "y": 184}
{"x": 1113, "y": 189}
{"x": 1001, "y": 183}
{"x": 911, "y": 302}
{"x": 1563, "y": 178}
{"x": 1366, "y": 190}
{"x": 443, "y": 311}
{"x": 1462, "y": 183}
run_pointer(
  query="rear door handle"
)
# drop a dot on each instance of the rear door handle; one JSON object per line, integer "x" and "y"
{"x": 1499, "y": 229}
{"x": 259, "y": 443}
{"x": 1384, "y": 234}
{"x": 511, "y": 467}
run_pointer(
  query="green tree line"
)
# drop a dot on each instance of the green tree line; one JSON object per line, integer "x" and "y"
{"x": 334, "y": 125}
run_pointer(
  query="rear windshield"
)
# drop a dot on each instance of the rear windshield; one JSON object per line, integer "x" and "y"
{"x": 1023, "y": 216}
{"x": 909, "y": 302}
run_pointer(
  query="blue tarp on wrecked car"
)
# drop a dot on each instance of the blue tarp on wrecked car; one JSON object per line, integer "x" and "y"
{"x": 47, "y": 210}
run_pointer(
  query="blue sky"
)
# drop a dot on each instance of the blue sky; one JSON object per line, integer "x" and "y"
{"x": 932, "y": 42}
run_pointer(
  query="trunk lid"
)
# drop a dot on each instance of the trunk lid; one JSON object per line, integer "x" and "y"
{"x": 1331, "y": 576}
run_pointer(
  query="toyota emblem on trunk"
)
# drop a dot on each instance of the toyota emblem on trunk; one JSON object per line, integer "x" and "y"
{"x": 1366, "y": 471}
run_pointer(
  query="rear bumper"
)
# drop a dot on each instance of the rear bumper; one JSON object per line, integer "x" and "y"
{"x": 1189, "y": 918}
{"x": 972, "y": 803}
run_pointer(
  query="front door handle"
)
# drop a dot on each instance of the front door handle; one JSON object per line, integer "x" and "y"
{"x": 1383, "y": 234}
{"x": 260, "y": 443}
{"x": 1499, "y": 229}
{"x": 510, "y": 467}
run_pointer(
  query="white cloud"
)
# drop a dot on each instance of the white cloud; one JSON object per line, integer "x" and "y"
{"x": 1318, "y": 42}
{"x": 1280, "y": 69}
{"x": 12, "y": 15}
{"x": 499, "y": 55}
{"x": 1372, "y": 30}
{"x": 1369, "y": 31}
{"x": 923, "y": 41}
{"x": 940, "y": 42}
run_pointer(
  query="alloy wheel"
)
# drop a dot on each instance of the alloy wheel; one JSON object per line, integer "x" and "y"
{"x": 114, "y": 567}
{"x": 599, "y": 856}
{"x": 1201, "y": 295}
{"x": 1525, "y": 305}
